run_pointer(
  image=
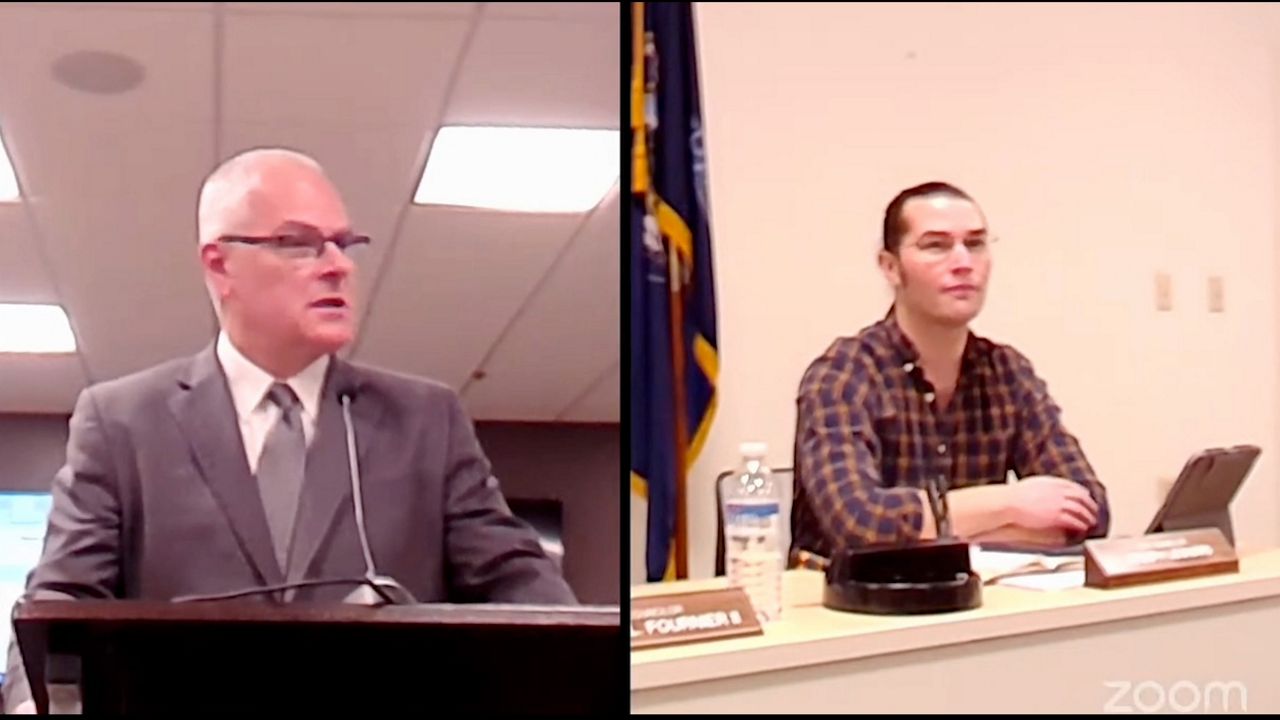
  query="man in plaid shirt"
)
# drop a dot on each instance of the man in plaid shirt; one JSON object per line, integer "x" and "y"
{"x": 919, "y": 396}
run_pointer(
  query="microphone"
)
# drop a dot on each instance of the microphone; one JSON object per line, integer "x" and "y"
{"x": 904, "y": 579}
{"x": 938, "y": 504}
{"x": 376, "y": 589}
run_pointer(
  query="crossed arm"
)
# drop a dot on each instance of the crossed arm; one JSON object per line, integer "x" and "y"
{"x": 1059, "y": 499}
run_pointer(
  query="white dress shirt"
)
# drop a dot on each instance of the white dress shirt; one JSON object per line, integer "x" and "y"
{"x": 254, "y": 411}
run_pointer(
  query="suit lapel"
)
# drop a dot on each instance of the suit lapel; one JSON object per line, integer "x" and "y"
{"x": 326, "y": 492}
{"x": 206, "y": 415}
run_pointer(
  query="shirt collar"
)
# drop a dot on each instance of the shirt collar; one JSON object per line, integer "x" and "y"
{"x": 249, "y": 383}
{"x": 908, "y": 354}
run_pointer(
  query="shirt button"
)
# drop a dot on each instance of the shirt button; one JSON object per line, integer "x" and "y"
{"x": 942, "y": 448}
{"x": 928, "y": 397}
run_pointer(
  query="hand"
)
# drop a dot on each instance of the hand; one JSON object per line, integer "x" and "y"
{"x": 1044, "y": 502}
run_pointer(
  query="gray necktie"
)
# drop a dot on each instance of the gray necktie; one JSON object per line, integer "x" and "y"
{"x": 281, "y": 467}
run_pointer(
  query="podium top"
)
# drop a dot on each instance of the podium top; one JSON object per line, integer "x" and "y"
{"x": 244, "y": 611}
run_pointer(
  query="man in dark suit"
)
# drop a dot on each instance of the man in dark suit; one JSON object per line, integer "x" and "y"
{"x": 229, "y": 470}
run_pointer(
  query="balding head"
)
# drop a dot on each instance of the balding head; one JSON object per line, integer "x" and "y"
{"x": 246, "y": 190}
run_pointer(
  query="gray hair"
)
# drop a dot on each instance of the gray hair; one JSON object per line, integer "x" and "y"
{"x": 237, "y": 178}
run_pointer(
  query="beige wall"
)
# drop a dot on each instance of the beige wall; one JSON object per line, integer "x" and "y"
{"x": 1105, "y": 143}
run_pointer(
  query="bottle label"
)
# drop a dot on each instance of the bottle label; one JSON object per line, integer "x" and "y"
{"x": 752, "y": 514}
{"x": 753, "y": 553}
{"x": 753, "y": 526}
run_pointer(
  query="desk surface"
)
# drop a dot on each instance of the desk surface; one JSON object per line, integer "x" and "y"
{"x": 809, "y": 634}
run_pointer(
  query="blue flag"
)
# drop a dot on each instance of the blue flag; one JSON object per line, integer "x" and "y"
{"x": 674, "y": 363}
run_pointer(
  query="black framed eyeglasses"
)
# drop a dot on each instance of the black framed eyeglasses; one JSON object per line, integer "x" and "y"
{"x": 304, "y": 245}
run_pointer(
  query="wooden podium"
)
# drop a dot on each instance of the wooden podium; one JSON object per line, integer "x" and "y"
{"x": 119, "y": 657}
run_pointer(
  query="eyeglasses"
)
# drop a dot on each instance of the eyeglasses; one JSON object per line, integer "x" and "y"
{"x": 938, "y": 247}
{"x": 305, "y": 245}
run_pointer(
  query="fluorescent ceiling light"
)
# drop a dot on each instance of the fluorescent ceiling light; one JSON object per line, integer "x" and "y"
{"x": 8, "y": 181}
{"x": 519, "y": 168}
{"x": 35, "y": 329}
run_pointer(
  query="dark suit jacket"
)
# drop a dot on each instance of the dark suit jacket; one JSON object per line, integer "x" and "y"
{"x": 156, "y": 500}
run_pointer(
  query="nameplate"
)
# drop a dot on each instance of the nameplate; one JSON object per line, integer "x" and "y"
{"x": 1174, "y": 555}
{"x": 678, "y": 618}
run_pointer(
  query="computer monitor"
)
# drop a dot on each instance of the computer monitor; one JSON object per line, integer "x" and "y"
{"x": 1202, "y": 495}
{"x": 23, "y": 519}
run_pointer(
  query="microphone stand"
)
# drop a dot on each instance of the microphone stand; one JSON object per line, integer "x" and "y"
{"x": 377, "y": 589}
{"x": 924, "y": 577}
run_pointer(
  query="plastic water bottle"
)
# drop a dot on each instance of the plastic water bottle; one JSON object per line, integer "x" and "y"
{"x": 752, "y": 507}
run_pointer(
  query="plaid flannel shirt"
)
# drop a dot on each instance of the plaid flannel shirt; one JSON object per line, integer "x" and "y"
{"x": 869, "y": 432}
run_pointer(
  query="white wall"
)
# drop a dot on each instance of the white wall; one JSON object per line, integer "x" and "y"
{"x": 1105, "y": 143}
